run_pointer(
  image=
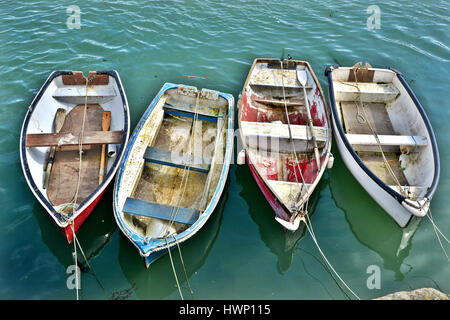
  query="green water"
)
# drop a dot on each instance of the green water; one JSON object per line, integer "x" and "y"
{"x": 241, "y": 253}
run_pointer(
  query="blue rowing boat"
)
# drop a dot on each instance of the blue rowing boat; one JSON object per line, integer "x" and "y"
{"x": 174, "y": 168}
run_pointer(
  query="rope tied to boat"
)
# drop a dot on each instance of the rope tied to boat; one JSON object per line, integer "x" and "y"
{"x": 175, "y": 209}
{"x": 303, "y": 185}
{"x": 375, "y": 134}
{"x": 438, "y": 232}
{"x": 309, "y": 227}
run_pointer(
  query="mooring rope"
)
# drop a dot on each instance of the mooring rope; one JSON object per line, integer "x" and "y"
{"x": 174, "y": 272}
{"x": 77, "y": 277}
{"x": 366, "y": 120}
{"x": 292, "y": 143}
{"x": 75, "y": 197}
{"x": 437, "y": 232}
{"x": 313, "y": 236}
{"x": 175, "y": 209}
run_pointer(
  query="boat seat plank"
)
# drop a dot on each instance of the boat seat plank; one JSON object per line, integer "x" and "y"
{"x": 203, "y": 112}
{"x": 72, "y": 138}
{"x": 279, "y": 103}
{"x": 369, "y": 91}
{"x": 80, "y": 91}
{"x": 168, "y": 158}
{"x": 281, "y": 131}
{"x": 273, "y": 78}
{"x": 275, "y": 136}
{"x": 386, "y": 140}
{"x": 160, "y": 211}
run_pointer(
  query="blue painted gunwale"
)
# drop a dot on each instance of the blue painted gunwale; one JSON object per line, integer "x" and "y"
{"x": 154, "y": 248}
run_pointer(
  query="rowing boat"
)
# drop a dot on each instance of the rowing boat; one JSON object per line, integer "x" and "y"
{"x": 174, "y": 169}
{"x": 72, "y": 142}
{"x": 385, "y": 138}
{"x": 286, "y": 138}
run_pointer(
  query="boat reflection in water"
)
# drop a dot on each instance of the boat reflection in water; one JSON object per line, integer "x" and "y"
{"x": 280, "y": 242}
{"x": 373, "y": 228}
{"x": 158, "y": 281}
{"x": 93, "y": 237}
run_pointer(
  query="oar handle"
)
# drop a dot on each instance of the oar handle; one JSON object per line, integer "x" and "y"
{"x": 106, "y": 122}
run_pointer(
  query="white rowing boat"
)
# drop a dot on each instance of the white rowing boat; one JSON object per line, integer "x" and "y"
{"x": 384, "y": 138}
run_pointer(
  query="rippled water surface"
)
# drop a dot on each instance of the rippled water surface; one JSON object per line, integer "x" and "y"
{"x": 241, "y": 252}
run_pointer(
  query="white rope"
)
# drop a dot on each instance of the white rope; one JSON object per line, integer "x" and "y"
{"x": 77, "y": 279}
{"x": 436, "y": 230}
{"x": 174, "y": 272}
{"x": 184, "y": 269}
{"x": 366, "y": 120}
{"x": 175, "y": 209}
{"x": 311, "y": 232}
{"x": 292, "y": 141}
{"x": 430, "y": 217}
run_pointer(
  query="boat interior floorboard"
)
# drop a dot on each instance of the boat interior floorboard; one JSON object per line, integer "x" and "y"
{"x": 64, "y": 176}
{"x": 374, "y": 161}
{"x": 160, "y": 183}
{"x": 376, "y": 113}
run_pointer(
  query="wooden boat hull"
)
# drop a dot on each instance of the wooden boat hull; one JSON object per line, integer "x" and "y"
{"x": 67, "y": 89}
{"x": 126, "y": 184}
{"x": 255, "y": 108}
{"x": 79, "y": 220}
{"x": 279, "y": 210}
{"x": 394, "y": 203}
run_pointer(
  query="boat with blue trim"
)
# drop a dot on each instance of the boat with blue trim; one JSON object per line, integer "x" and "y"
{"x": 175, "y": 168}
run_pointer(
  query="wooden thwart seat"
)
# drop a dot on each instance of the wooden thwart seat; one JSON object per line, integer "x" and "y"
{"x": 72, "y": 138}
{"x": 280, "y": 103}
{"x": 188, "y": 110}
{"x": 386, "y": 140}
{"x": 268, "y": 77}
{"x": 281, "y": 131}
{"x": 168, "y": 158}
{"x": 369, "y": 91}
{"x": 160, "y": 211}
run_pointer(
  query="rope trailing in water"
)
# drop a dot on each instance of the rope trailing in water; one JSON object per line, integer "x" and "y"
{"x": 175, "y": 209}
{"x": 75, "y": 197}
{"x": 174, "y": 272}
{"x": 307, "y": 221}
{"x": 313, "y": 236}
{"x": 437, "y": 232}
{"x": 77, "y": 276}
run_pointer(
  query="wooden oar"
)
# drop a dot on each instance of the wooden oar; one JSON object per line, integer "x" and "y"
{"x": 60, "y": 116}
{"x": 106, "y": 122}
{"x": 302, "y": 78}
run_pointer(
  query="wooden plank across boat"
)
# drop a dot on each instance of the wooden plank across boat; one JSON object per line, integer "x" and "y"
{"x": 282, "y": 129}
{"x": 175, "y": 168}
{"x": 384, "y": 138}
{"x": 67, "y": 114}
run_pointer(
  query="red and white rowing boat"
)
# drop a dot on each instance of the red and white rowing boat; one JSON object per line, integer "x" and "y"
{"x": 72, "y": 141}
{"x": 286, "y": 138}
